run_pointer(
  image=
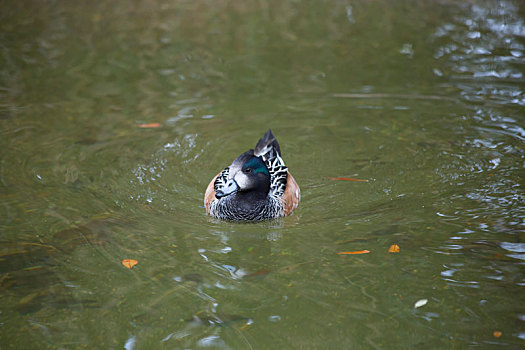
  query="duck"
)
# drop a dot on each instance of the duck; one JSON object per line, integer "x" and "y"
{"x": 255, "y": 186}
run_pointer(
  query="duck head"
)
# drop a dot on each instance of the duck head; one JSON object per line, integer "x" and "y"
{"x": 248, "y": 175}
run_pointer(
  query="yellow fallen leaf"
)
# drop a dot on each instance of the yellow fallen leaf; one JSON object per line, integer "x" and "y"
{"x": 355, "y": 252}
{"x": 497, "y": 334}
{"x": 129, "y": 263}
{"x": 346, "y": 179}
{"x": 150, "y": 126}
{"x": 394, "y": 248}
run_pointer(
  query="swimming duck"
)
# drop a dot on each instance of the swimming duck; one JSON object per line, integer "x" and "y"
{"x": 256, "y": 186}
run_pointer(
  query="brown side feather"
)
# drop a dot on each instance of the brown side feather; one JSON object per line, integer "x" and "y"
{"x": 291, "y": 196}
{"x": 209, "y": 195}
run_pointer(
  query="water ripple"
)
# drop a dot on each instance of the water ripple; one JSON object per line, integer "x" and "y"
{"x": 484, "y": 43}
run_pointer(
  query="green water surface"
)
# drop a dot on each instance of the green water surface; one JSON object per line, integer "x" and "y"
{"x": 424, "y": 99}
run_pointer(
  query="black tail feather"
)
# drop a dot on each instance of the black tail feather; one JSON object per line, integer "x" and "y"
{"x": 266, "y": 144}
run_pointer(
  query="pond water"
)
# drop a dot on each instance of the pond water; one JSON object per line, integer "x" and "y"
{"x": 424, "y": 99}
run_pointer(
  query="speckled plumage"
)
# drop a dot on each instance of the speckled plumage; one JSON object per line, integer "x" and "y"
{"x": 227, "y": 209}
{"x": 256, "y": 186}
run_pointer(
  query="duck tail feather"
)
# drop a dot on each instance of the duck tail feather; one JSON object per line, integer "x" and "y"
{"x": 266, "y": 144}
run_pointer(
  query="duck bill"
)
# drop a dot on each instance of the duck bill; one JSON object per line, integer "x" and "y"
{"x": 230, "y": 187}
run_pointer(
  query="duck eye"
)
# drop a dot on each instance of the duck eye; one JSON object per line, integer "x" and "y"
{"x": 248, "y": 170}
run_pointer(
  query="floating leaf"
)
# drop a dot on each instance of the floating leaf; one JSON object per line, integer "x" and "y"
{"x": 394, "y": 248}
{"x": 259, "y": 273}
{"x": 355, "y": 252}
{"x": 421, "y": 302}
{"x": 346, "y": 179}
{"x": 150, "y": 126}
{"x": 497, "y": 334}
{"x": 246, "y": 325}
{"x": 129, "y": 263}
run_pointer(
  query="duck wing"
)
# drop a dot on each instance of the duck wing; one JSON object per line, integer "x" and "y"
{"x": 268, "y": 149}
{"x": 217, "y": 183}
{"x": 221, "y": 179}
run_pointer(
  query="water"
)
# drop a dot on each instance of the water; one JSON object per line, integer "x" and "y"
{"x": 423, "y": 99}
